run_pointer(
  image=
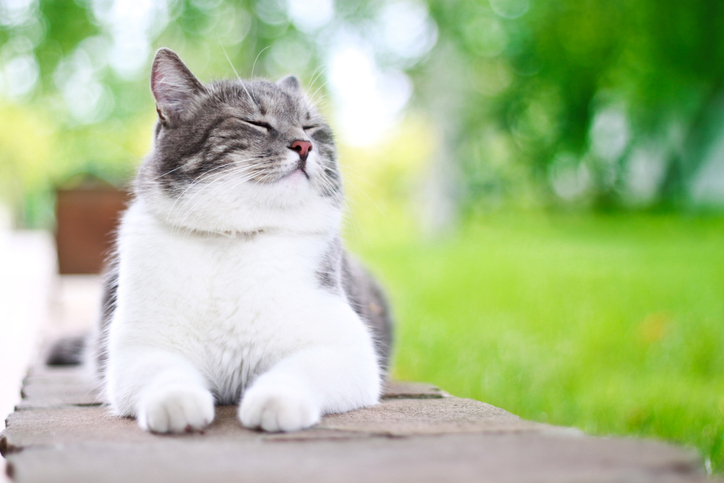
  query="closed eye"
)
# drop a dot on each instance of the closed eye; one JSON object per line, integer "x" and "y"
{"x": 307, "y": 128}
{"x": 260, "y": 124}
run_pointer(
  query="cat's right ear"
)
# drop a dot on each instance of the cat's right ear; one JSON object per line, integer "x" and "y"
{"x": 291, "y": 83}
{"x": 173, "y": 86}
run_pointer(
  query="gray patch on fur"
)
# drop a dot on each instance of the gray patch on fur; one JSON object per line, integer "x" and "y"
{"x": 76, "y": 350}
{"x": 368, "y": 299}
{"x": 340, "y": 273}
{"x": 108, "y": 307}
{"x": 329, "y": 274}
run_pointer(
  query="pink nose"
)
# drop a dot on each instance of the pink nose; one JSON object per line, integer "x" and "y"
{"x": 302, "y": 147}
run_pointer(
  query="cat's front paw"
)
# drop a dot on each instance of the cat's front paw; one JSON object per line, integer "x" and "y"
{"x": 278, "y": 409}
{"x": 176, "y": 409}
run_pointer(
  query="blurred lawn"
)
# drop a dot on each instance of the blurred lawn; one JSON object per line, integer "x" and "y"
{"x": 613, "y": 324}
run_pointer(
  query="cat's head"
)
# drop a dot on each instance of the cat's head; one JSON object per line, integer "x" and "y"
{"x": 238, "y": 156}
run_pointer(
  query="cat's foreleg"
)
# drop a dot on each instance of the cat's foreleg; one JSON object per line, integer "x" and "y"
{"x": 315, "y": 381}
{"x": 162, "y": 390}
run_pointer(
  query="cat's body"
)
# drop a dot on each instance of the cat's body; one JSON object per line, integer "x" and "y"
{"x": 230, "y": 284}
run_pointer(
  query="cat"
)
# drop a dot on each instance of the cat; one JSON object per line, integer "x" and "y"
{"x": 230, "y": 283}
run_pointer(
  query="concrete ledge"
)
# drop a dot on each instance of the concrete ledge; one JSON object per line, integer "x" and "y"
{"x": 60, "y": 433}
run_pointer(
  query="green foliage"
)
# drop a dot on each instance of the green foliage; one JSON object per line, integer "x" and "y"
{"x": 67, "y": 25}
{"x": 535, "y": 76}
{"x": 539, "y": 102}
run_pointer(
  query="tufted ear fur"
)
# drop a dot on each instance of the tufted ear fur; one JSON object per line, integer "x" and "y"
{"x": 290, "y": 83}
{"x": 173, "y": 86}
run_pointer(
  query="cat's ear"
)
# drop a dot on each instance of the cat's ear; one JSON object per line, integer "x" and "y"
{"x": 290, "y": 83}
{"x": 173, "y": 86}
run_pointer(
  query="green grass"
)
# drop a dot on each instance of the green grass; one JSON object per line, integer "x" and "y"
{"x": 612, "y": 324}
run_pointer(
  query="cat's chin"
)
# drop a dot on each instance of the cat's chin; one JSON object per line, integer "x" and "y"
{"x": 296, "y": 176}
{"x": 289, "y": 204}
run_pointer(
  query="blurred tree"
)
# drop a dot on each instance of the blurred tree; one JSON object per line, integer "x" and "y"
{"x": 601, "y": 102}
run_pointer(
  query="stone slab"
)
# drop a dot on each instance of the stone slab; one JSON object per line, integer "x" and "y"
{"x": 412, "y": 390}
{"x": 505, "y": 458}
{"x": 94, "y": 425}
{"x": 395, "y": 417}
{"x": 58, "y": 387}
{"x": 417, "y": 433}
{"x": 407, "y": 417}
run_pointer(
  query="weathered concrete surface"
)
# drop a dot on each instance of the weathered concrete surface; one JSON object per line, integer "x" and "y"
{"x": 49, "y": 388}
{"x": 417, "y": 433}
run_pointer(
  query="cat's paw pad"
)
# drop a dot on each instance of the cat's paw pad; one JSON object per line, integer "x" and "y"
{"x": 176, "y": 409}
{"x": 278, "y": 409}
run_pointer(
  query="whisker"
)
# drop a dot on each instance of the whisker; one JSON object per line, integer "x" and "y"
{"x": 241, "y": 81}
{"x": 227, "y": 57}
{"x": 315, "y": 78}
{"x": 189, "y": 210}
{"x": 167, "y": 172}
{"x": 257, "y": 58}
{"x": 192, "y": 208}
{"x": 318, "y": 89}
{"x": 204, "y": 177}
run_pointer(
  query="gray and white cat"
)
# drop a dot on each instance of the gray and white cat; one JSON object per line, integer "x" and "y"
{"x": 230, "y": 284}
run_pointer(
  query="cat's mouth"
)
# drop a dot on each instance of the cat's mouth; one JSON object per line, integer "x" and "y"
{"x": 304, "y": 172}
{"x": 299, "y": 169}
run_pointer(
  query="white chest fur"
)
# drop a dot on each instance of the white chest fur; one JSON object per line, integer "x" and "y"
{"x": 232, "y": 307}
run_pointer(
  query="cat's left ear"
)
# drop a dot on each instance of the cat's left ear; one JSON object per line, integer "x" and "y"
{"x": 290, "y": 83}
{"x": 173, "y": 86}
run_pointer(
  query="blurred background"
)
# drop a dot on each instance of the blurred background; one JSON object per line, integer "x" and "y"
{"x": 540, "y": 184}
